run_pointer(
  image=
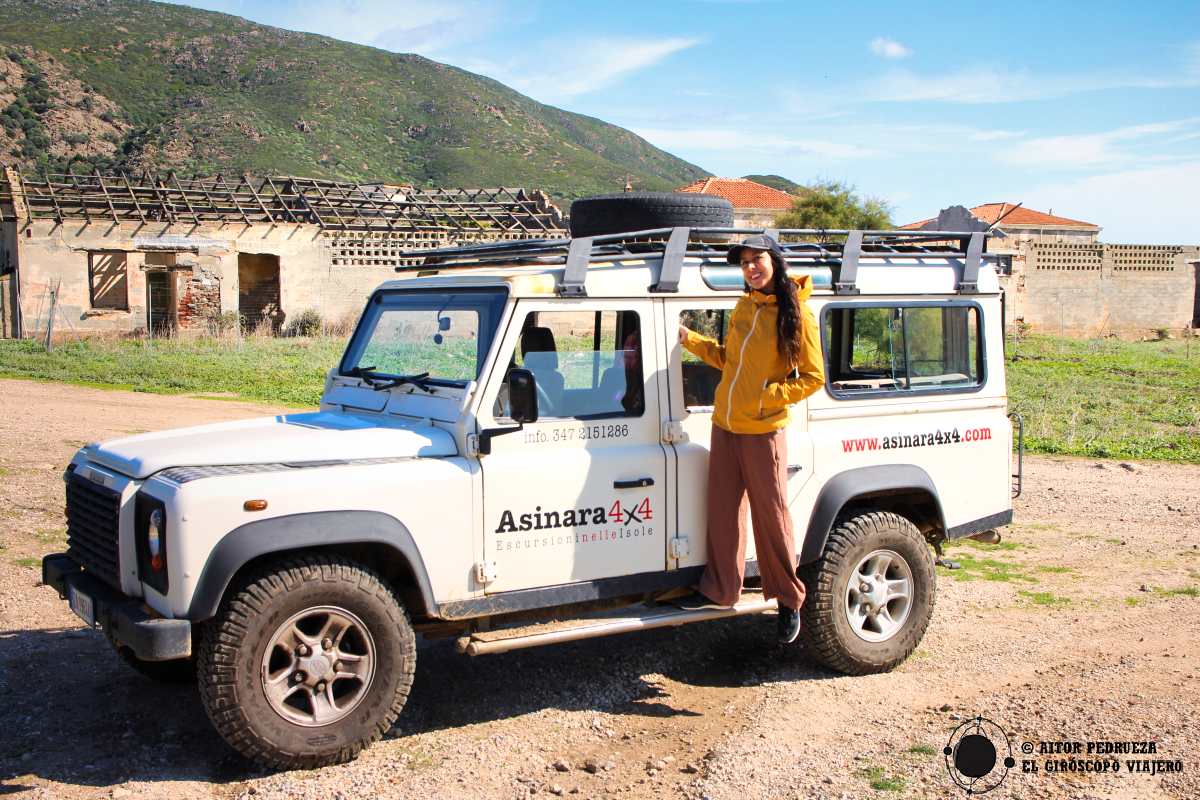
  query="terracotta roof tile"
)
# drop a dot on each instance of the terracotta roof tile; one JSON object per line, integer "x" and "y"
{"x": 989, "y": 212}
{"x": 741, "y": 192}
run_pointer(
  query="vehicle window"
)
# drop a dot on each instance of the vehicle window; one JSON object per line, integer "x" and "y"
{"x": 444, "y": 334}
{"x": 699, "y": 379}
{"x": 587, "y": 364}
{"x": 900, "y": 348}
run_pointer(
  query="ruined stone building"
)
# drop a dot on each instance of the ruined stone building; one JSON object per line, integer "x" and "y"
{"x": 152, "y": 254}
{"x": 1061, "y": 279}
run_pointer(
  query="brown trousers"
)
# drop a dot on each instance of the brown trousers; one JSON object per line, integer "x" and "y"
{"x": 754, "y": 465}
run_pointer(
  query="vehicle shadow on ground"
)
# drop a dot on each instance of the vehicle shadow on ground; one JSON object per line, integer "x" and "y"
{"x": 75, "y": 714}
{"x": 622, "y": 675}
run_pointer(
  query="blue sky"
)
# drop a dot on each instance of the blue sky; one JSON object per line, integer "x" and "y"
{"x": 1091, "y": 110}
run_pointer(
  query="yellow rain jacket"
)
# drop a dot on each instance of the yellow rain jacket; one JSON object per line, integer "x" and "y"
{"x": 755, "y": 389}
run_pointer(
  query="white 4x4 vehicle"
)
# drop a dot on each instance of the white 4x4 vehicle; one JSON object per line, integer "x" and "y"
{"x": 513, "y": 452}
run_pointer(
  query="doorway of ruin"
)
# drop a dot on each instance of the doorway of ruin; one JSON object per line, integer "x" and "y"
{"x": 258, "y": 291}
{"x": 1196, "y": 300}
{"x": 161, "y": 295}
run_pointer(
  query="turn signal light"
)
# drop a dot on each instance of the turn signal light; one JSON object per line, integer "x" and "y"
{"x": 255, "y": 505}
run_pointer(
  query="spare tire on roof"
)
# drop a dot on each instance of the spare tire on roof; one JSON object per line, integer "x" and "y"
{"x": 639, "y": 211}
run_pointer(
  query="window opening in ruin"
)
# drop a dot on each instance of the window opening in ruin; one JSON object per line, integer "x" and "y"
{"x": 108, "y": 280}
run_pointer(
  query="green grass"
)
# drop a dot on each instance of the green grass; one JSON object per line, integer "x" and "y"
{"x": 923, "y": 750}
{"x": 1104, "y": 399}
{"x": 30, "y": 563}
{"x": 1107, "y": 398}
{"x": 881, "y": 782}
{"x": 1045, "y": 599}
{"x": 973, "y": 568}
{"x": 1054, "y": 569}
{"x": 288, "y": 372}
{"x": 1002, "y": 545}
{"x": 1186, "y": 591}
{"x": 1133, "y": 601}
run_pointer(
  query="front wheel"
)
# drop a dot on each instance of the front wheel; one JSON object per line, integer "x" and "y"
{"x": 307, "y": 663}
{"x": 870, "y": 594}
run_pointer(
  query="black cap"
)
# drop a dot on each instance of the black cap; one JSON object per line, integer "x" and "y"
{"x": 759, "y": 241}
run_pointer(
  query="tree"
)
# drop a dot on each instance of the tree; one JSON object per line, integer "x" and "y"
{"x": 834, "y": 205}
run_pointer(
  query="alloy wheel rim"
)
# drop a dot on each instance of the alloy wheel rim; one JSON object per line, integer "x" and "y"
{"x": 879, "y": 595}
{"x": 318, "y": 666}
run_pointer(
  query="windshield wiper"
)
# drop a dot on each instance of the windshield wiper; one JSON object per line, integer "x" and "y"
{"x": 420, "y": 381}
{"x": 380, "y": 382}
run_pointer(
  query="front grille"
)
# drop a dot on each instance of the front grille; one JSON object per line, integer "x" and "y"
{"x": 93, "y": 514}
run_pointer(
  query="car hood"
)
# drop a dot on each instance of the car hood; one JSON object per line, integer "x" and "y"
{"x": 286, "y": 439}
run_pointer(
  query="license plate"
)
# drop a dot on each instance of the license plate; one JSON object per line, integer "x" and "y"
{"x": 82, "y": 605}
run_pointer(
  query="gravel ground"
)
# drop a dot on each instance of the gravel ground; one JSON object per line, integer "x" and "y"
{"x": 1086, "y": 631}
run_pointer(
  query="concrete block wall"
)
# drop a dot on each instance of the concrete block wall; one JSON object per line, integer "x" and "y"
{"x": 1098, "y": 289}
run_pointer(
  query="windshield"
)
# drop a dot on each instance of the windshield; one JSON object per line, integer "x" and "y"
{"x": 442, "y": 333}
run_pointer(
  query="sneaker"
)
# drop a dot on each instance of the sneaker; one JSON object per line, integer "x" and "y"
{"x": 789, "y": 624}
{"x": 698, "y": 602}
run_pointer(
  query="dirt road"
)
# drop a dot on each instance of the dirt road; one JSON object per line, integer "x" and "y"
{"x": 1081, "y": 626}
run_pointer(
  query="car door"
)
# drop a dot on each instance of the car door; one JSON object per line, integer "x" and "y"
{"x": 577, "y": 495}
{"x": 692, "y": 386}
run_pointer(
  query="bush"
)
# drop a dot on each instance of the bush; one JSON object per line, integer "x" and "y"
{"x": 224, "y": 324}
{"x": 306, "y": 323}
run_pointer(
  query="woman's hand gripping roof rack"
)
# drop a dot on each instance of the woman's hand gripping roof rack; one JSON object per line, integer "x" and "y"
{"x": 676, "y": 244}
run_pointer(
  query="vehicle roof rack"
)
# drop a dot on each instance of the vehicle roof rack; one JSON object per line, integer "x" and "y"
{"x": 838, "y": 249}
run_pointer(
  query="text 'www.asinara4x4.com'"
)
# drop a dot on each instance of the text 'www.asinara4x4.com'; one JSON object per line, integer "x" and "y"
{"x": 925, "y": 439}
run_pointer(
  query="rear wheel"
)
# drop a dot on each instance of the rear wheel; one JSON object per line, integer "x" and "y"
{"x": 870, "y": 594}
{"x": 307, "y": 663}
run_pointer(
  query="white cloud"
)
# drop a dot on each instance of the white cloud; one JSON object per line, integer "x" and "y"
{"x": 1143, "y": 206}
{"x": 564, "y": 70}
{"x": 1084, "y": 150}
{"x": 889, "y": 48}
{"x": 746, "y": 141}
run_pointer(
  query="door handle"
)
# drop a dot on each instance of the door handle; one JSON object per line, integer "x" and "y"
{"x": 794, "y": 468}
{"x": 636, "y": 483}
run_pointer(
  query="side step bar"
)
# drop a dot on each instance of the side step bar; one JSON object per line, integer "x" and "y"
{"x": 486, "y": 643}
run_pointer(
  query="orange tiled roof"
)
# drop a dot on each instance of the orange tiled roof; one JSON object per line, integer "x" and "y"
{"x": 741, "y": 192}
{"x": 990, "y": 212}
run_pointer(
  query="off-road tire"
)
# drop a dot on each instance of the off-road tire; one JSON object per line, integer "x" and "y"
{"x": 639, "y": 211}
{"x": 233, "y": 643}
{"x": 828, "y": 634}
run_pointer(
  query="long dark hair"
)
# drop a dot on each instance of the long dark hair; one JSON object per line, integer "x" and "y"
{"x": 787, "y": 326}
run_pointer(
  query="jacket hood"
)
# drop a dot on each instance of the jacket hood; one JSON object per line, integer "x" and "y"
{"x": 286, "y": 439}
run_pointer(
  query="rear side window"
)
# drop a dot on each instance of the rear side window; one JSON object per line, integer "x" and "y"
{"x": 902, "y": 349}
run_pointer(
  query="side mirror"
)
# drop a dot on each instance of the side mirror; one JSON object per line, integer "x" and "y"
{"x": 522, "y": 396}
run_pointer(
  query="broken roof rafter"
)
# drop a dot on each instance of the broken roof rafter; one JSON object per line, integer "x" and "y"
{"x": 331, "y": 205}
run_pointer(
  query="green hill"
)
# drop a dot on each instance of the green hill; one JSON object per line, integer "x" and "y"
{"x": 776, "y": 182}
{"x": 142, "y": 85}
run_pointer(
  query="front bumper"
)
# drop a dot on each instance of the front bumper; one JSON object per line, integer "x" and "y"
{"x": 125, "y": 620}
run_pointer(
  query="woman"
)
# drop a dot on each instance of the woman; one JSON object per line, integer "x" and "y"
{"x": 771, "y": 358}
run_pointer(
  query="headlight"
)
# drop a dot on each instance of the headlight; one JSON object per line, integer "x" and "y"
{"x": 154, "y": 540}
{"x": 150, "y": 534}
